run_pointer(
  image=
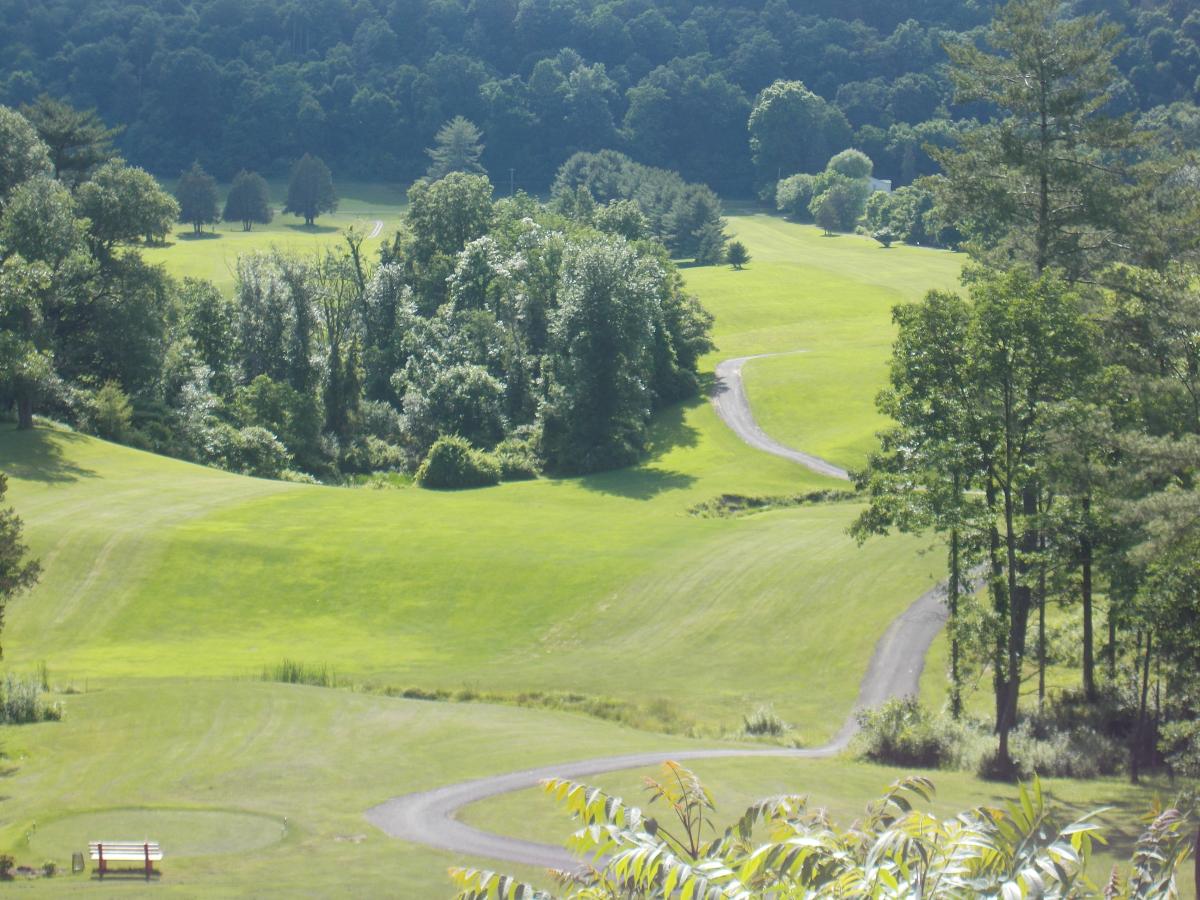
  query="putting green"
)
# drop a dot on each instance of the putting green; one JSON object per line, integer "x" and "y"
{"x": 180, "y": 832}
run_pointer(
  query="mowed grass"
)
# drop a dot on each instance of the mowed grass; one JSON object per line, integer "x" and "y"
{"x": 843, "y": 787}
{"x": 168, "y": 588}
{"x": 369, "y": 209}
{"x": 830, "y": 298}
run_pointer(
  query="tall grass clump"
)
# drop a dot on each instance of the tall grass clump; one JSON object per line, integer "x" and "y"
{"x": 22, "y": 701}
{"x": 289, "y": 671}
{"x": 764, "y": 722}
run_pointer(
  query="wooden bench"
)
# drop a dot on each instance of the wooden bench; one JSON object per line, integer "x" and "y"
{"x": 105, "y": 852}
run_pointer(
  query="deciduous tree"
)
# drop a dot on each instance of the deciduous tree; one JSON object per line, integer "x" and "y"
{"x": 197, "y": 196}
{"x": 249, "y": 201}
{"x": 310, "y": 191}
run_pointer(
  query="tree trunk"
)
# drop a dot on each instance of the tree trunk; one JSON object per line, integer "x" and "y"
{"x": 1085, "y": 548}
{"x": 24, "y": 412}
{"x": 1139, "y": 735}
{"x": 952, "y": 590}
{"x": 1041, "y": 602}
{"x": 1111, "y": 650}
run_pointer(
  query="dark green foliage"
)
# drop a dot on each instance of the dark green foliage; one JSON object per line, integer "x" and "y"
{"x": 78, "y": 140}
{"x": 463, "y": 400}
{"x": 290, "y": 671}
{"x": 903, "y": 733}
{"x": 457, "y": 149}
{"x": 885, "y": 236}
{"x": 124, "y": 204}
{"x": 453, "y": 463}
{"x": 599, "y": 397}
{"x": 737, "y": 255}
{"x": 367, "y": 86}
{"x": 24, "y": 154}
{"x": 112, "y": 413}
{"x": 686, "y": 217}
{"x": 517, "y": 459}
{"x": 17, "y": 572}
{"x": 310, "y": 190}
{"x": 249, "y": 201}
{"x": 793, "y": 130}
{"x": 793, "y": 196}
{"x": 197, "y": 196}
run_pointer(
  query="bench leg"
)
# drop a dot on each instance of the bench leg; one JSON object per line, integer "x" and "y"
{"x": 149, "y": 868}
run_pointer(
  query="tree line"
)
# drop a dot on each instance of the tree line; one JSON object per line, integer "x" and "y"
{"x": 547, "y": 334}
{"x": 367, "y": 85}
{"x": 1046, "y": 423}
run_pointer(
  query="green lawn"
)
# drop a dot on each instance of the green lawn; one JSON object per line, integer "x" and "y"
{"x": 214, "y": 255}
{"x": 831, "y": 298}
{"x": 168, "y": 587}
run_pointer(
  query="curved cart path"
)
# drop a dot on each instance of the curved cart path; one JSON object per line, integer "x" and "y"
{"x": 428, "y": 817}
{"x": 729, "y": 398}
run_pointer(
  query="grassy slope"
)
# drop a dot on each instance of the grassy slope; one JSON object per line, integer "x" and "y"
{"x": 215, "y": 255}
{"x": 830, "y": 297}
{"x": 168, "y": 571}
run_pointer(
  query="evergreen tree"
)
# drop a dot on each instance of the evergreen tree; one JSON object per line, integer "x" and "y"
{"x": 78, "y": 140}
{"x": 249, "y": 201}
{"x": 456, "y": 149}
{"x": 736, "y": 254}
{"x": 310, "y": 192}
{"x": 197, "y": 196}
{"x": 1043, "y": 182}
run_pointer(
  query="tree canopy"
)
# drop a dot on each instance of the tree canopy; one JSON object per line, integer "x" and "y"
{"x": 310, "y": 190}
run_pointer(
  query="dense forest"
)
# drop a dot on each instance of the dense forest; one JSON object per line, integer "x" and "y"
{"x": 366, "y": 85}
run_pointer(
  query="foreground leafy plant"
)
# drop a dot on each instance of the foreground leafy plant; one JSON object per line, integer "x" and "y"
{"x": 894, "y": 851}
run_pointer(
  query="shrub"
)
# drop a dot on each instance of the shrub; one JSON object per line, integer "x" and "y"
{"x": 371, "y": 454}
{"x": 517, "y": 459}
{"x": 289, "y": 671}
{"x": 763, "y": 722}
{"x": 111, "y": 412}
{"x": 49, "y": 868}
{"x": 793, "y": 195}
{"x": 256, "y": 451}
{"x": 22, "y": 702}
{"x": 453, "y": 463}
{"x": 6, "y": 866}
{"x": 885, "y": 236}
{"x": 902, "y": 732}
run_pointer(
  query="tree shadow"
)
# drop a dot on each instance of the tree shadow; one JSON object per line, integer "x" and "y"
{"x": 640, "y": 483}
{"x": 669, "y": 430}
{"x": 202, "y": 236}
{"x": 312, "y": 229}
{"x": 37, "y": 455}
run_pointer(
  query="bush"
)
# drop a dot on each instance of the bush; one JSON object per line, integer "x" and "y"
{"x": 517, "y": 459}
{"x": 6, "y": 866}
{"x": 902, "y": 732}
{"x": 763, "y": 722}
{"x": 256, "y": 451}
{"x": 288, "y": 671}
{"x": 793, "y": 195}
{"x": 111, "y": 412}
{"x": 453, "y": 463}
{"x": 371, "y": 454}
{"x": 49, "y": 868}
{"x": 22, "y": 702}
{"x": 885, "y": 236}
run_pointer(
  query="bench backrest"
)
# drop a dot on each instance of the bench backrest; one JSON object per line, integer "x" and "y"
{"x": 125, "y": 850}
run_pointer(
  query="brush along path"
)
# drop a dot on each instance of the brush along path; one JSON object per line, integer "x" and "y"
{"x": 428, "y": 817}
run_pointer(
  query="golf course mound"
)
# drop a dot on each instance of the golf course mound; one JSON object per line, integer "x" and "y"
{"x": 181, "y": 832}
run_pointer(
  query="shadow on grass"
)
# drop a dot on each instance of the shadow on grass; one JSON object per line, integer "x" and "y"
{"x": 37, "y": 455}
{"x": 669, "y": 430}
{"x": 202, "y": 236}
{"x": 313, "y": 229}
{"x": 641, "y": 483}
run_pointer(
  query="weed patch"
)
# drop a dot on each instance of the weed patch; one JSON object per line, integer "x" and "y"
{"x": 727, "y": 506}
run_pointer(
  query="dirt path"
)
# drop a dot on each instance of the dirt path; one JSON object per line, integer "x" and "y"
{"x": 729, "y": 398}
{"x": 428, "y": 817}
